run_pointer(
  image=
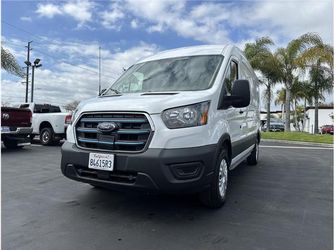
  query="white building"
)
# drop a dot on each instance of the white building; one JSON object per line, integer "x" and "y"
{"x": 326, "y": 117}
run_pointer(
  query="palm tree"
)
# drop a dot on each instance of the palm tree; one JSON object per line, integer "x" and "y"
{"x": 296, "y": 94}
{"x": 280, "y": 99}
{"x": 305, "y": 92}
{"x": 262, "y": 59}
{"x": 290, "y": 60}
{"x": 9, "y": 63}
{"x": 321, "y": 82}
{"x": 324, "y": 53}
{"x": 300, "y": 91}
{"x": 319, "y": 59}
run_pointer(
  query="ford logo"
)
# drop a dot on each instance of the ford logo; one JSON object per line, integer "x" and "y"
{"x": 5, "y": 116}
{"x": 107, "y": 127}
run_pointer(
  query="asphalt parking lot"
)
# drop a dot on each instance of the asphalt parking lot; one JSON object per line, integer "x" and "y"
{"x": 285, "y": 202}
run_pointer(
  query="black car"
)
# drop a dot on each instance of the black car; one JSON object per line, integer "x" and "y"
{"x": 274, "y": 127}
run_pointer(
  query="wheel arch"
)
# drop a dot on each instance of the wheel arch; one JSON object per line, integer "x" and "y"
{"x": 45, "y": 124}
{"x": 225, "y": 142}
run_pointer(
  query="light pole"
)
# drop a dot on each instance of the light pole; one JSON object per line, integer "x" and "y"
{"x": 28, "y": 63}
{"x": 37, "y": 64}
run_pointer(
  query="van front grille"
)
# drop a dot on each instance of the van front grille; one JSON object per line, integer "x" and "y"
{"x": 132, "y": 132}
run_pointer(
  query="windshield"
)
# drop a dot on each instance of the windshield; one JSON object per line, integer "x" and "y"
{"x": 172, "y": 74}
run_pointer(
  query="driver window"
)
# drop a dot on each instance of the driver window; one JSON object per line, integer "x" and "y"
{"x": 231, "y": 76}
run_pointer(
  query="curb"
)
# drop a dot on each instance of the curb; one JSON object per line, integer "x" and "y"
{"x": 300, "y": 143}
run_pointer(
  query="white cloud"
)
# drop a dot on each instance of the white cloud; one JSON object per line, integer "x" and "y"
{"x": 81, "y": 11}
{"x": 299, "y": 18}
{"x": 208, "y": 22}
{"x": 48, "y": 10}
{"x": 174, "y": 15}
{"x": 111, "y": 17}
{"x": 76, "y": 49}
{"x": 156, "y": 28}
{"x": 26, "y": 19}
{"x": 219, "y": 22}
{"x": 64, "y": 82}
{"x": 134, "y": 24}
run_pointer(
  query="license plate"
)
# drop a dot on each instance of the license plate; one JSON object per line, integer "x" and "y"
{"x": 5, "y": 129}
{"x": 101, "y": 161}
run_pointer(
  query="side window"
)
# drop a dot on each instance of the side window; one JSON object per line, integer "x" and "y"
{"x": 45, "y": 109}
{"x": 245, "y": 73}
{"x": 54, "y": 109}
{"x": 41, "y": 108}
{"x": 38, "y": 108}
{"x": 231, "y": 76}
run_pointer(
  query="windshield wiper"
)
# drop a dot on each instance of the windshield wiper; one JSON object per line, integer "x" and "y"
{"x": 113, "y": 90}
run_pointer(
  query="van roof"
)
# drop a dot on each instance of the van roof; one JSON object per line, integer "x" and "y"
{"x": 189, "y": 51}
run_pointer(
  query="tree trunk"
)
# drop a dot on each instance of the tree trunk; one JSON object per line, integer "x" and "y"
{"x": 287, "y": 108}
{"x": 295, "y": 116}
{"x": 316, "y": 114}
{"x": 304, "y": 118}
{"x": 268, "y": 107}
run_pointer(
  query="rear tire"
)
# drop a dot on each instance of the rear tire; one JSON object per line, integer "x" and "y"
{"x": 215, "y": 196}
{"x": 46, "y": 136}
{"x": 10, "y": 144}
{"x": 254, "y": 156}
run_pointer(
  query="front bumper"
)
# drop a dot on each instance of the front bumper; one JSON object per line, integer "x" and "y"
{"x": 186, "y": 170}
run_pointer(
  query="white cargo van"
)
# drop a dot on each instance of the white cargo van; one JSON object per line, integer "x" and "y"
{"x": 175, "y": 122}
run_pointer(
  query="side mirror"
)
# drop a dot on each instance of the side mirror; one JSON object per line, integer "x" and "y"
{"x": 240, "y": 96}
{"x": 241, "y": 90}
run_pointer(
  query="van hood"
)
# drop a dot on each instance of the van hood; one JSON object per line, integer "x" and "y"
{"x": 152, "y": 103}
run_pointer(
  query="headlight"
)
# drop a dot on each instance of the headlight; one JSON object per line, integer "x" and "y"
{"x": 187, "y": 116}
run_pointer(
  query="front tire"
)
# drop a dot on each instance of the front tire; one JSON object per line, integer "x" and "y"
{"x": 46, "y": 136}
{"x": 215, "y": 196}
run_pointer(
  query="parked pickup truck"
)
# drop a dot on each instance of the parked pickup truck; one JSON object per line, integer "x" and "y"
{"x": 15, "y": 126}
{"x": 48, "y": 121}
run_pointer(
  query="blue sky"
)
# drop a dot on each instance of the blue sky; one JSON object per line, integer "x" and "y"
{"x": 66, "y": 35}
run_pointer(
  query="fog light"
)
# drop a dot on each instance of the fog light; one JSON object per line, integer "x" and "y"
{"x": 188, "y": 170}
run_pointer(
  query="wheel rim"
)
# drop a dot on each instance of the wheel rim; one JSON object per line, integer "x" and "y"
{"x": 222, "y": 178}
{"x": 45, "y": 136}
{"x": 257, "y": 151}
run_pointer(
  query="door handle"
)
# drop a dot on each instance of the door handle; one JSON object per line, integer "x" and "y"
{"x": 241, "y": 111}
